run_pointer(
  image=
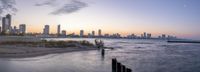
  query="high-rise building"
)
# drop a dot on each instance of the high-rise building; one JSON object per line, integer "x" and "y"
{"x": 81, "y": 33}
{"x": 58, "y": 30}
{"x": 145, "y": 35}
{"x": 3, "y": 24}
{"x": 46, "y": 30}
{"x": 8, "y": 16}
{"x": 93, "y": 33}
{"x": 0, "y": 29}
{"x": 99, "y": 32}
{"x": 22, "y": 28}
{"x": 6, "y": 24}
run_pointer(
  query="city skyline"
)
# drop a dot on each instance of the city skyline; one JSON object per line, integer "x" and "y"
{"x": 9, "y": 30}
{"x": 173, "y": 17}
{"x": 99, "y": 34}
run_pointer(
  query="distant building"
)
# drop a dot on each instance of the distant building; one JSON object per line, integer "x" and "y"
{"x": 145, "y": 35}
{"x": 22, "y": 29}
{"x": 89, "y": 35}
{"x": 46, "y": 30}
{"x": 64, "y": 33}
{"x": 159, "y": 37}
{"x": 8, "y": 16}
{"x": 148, "y": 35}
{"x": 14, "y": 30}
{"x": 93, "y": 33}
{"x": 6, "y": 24}
{"x": 142, "y": 36}
{"x": 132, "y": 36}
{"x": 163, "y": 36}
{"x": 81, "y": 33}
{"x": 171, "y": 37}
{"x": 117, "y": 35}
{"x": 99, "y": 32}
{"x": 106, "y": 35}
{"x": 58, "y": 30}
{"x": 3, "y": 24}
{"x": 0, "y": 29}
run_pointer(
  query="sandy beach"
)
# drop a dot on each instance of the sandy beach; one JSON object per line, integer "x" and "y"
{"x": 24, "y": 52}
{"x": 27, "y": 46}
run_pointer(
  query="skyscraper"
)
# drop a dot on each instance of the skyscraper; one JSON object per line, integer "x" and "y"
{"x": 81, "y": 33}
{"x": 8, "y": 16}
{"x": 145, "y": 35}
{"x": 6, "y": 24}
{"x": 99, "y": 32}
{"x": 3, "y": 24}
{"x": 0, "y": 29}
{"x": 58, "y": 30}
{"x": 22, "y": 28}
{"x": 46, "y": 30}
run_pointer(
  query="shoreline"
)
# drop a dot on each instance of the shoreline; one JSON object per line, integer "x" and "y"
{"x": 25, "y": 52}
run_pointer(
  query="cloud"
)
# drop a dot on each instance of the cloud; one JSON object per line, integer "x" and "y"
{"x": 7, "y": 6}
{"x": 69, "y": 6}
{"x": 48, "y": 2}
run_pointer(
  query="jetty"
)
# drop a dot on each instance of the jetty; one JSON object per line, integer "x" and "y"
{"x": 182, "y": 41}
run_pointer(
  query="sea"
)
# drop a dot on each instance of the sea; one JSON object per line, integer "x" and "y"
{"x": 140, "y": 55}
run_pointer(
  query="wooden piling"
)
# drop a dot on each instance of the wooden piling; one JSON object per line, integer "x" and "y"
{"x": 123, "y": 68}
{"x": 128, "y": 70}
{"x": 118, "y": 67}
{"x": 103, "y": 52}
{"x": 114, "y": 65}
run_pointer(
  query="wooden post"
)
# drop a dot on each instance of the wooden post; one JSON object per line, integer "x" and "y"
{"x": 114, "y": 65}
{"x": 123, "y": 68}
{"x": 128, "y": 70}
{"x": 118, "y": 67}
{"x": 103, "y": 52}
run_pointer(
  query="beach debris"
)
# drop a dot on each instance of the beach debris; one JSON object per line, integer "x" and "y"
{"x": 99, "y": 43}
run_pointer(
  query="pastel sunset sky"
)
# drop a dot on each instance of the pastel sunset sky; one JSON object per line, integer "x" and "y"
{"x": 173, "y": 17}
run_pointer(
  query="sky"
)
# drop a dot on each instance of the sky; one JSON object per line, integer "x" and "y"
{"x": 172, "y": 17}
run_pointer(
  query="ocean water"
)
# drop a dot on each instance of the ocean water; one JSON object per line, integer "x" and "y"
{"x": 139, "y": 55}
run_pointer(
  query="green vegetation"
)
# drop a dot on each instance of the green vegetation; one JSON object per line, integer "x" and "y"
{"x": 50, "y": 44}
